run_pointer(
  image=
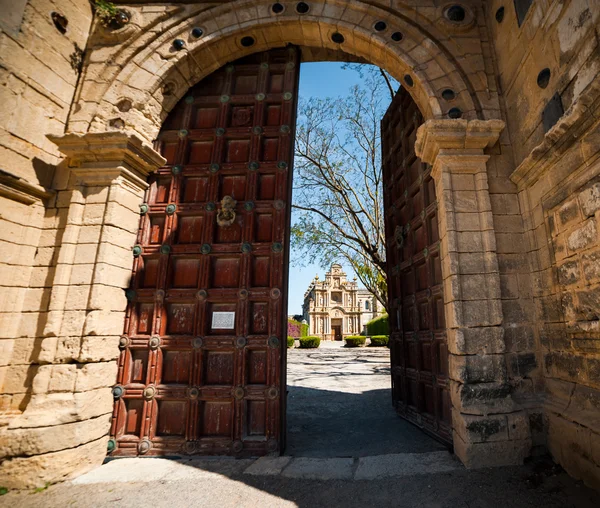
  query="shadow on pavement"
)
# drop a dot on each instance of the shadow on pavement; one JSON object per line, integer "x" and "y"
{"x": 324, "y": 423}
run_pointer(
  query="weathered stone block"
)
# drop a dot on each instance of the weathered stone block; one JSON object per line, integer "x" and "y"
{"x": 588, "y": 304}
{"x": 559, "y": 247}
{"x": 522, "y": 364}
{"x": 480, "y": 429}
{"x": 72, "y": 323}
{"x": 64, "y": 407}
{"x": 491, "y": 454}
{"x": 481, "y": 398}
{"x": 549, "y": 309}
{"x": 107, "y": 298}
{"x": 591, "y": 265}
{"x": 98, "y": 349}
{"x": 112, "y": 275}
{"x": 473, "y": 341}
{"x": 96, "y": 375}
{"x": 67, "y": 349}
{"x": 41, "y": 381}
{"x": 567, "y": 366}
{"x": 99, "y": 322}
{"x": 571, "y": 446}
{"x": 17, "y": 378}
{"x": 568, "y": 273}
{"x": 31, "y": 472}
{"x": 481, "y": 313}
{"x": 477, "y": 368}
{"x": 567, "y": 302}
{"x": 567, "y": 213}
{"x": 519, "y": 338}
{"x": 509, "y": 286}
{"x": 517, "y": 311}
{"x": 27, "y": 442}
{"x": 592, "y": 364}
{"x": 589, "y": 199}
{"x": 584, "y": 236}
{"x": 480, "y": 287}
{"x": 63, "y": 378}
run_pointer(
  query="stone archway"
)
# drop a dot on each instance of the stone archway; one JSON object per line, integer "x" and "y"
{"x": 145, "y": 77}
{"x": 133, "y": 79}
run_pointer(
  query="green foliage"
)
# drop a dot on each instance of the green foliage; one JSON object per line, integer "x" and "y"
{"x": 106, "y": 9}
{"x": 380, "y": 340}
{"x": 378, "y": 326}
{"x": 355, "y": 340}
{"x": 41, "y": 489}
{"x": 310, "y": 342}
{"x": 3, "y": 490}
{"x": 109, "y": 14}
{"x": 290, "y": 342}
{"x": 297, "y": 329}
{"x": 373, "y": 277}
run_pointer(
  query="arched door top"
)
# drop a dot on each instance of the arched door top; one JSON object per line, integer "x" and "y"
{"x": 134, "y": 76}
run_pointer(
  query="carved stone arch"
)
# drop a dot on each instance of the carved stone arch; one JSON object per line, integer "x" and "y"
{"x": 151, "y": 75}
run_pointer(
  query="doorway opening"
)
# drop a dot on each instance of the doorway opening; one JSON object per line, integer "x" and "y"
{"x": 203, "y": 363}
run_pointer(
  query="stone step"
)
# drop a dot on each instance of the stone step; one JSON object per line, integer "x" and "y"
{"x": 145, "y": 470}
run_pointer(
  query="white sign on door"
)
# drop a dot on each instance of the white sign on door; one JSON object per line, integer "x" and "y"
{"x": 223, "y": 321}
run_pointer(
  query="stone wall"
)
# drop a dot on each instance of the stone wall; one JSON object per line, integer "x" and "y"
{"x": 556, "y": 175}
{"x": 40, "y": 65}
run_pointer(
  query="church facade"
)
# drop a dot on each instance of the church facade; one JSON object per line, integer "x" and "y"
{"x": 336, "y": 307}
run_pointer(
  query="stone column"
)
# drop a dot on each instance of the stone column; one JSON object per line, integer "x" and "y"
{"x": 101, "y": 191}
{"x": 488, "y": 428}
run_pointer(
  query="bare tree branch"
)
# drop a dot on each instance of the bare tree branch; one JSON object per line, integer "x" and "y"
{"x": 338, "y": 205}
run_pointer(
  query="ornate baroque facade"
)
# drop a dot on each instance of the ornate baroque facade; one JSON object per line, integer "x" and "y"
{"x": 336, "y": 307}
{"x": 509, "y": 92}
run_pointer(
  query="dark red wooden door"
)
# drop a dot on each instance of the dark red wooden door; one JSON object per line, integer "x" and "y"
{"x": 418, "y": 342}
{"x": 202, "y": 368}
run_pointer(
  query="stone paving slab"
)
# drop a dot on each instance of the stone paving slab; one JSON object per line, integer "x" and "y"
{"x": 405, "y": 464}
{"x": 319, "y": 469}
{"x": 268, "y": 466}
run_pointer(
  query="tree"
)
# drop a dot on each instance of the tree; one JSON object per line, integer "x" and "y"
{"x": 338, "y": 203}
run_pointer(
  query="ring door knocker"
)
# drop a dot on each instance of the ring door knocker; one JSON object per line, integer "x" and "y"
{"x": 226, "y": 214}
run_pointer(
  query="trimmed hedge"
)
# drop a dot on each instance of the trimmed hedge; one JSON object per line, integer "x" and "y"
{"x": 290, "y": 342}
{"x": 310, "y": 342}
{"x": 355, "y": 340}
{"x": 378, "y": 326}
{"x": 380, "y": 340}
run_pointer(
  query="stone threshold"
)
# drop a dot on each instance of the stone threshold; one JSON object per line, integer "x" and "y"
{"x": 150, "y": 469}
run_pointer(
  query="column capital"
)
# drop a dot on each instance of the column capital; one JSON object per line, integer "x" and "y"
{"x": 96, "y": 157}
{"x": 456, "y": 137}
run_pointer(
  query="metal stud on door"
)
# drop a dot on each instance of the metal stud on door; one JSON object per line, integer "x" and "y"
{"x": 202, "y": 370}
{"x": 419, "y": 351}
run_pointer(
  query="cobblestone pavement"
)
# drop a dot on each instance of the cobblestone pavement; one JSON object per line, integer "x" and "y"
{"x": 346, "y": 448}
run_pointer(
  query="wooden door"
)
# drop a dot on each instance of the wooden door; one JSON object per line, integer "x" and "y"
{"x": 337, "y": 332}
{"x": 202, "y": 367}
{"x": 419, "y": 350}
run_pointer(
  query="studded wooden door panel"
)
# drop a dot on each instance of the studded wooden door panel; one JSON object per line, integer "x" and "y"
{"x": 418, "y": 342}
{"x": 202, "y": 367}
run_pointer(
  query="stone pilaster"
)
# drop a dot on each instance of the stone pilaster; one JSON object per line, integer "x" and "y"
{"x": 487, "y": 427}
{"x": 71, "y": 403}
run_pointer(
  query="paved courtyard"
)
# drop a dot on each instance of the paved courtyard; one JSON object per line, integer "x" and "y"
{"x": 339, "y": 405}
{"x": 346, "y": 447}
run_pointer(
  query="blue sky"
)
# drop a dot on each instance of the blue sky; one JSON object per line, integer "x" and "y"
{"x": 318, "y": 79}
